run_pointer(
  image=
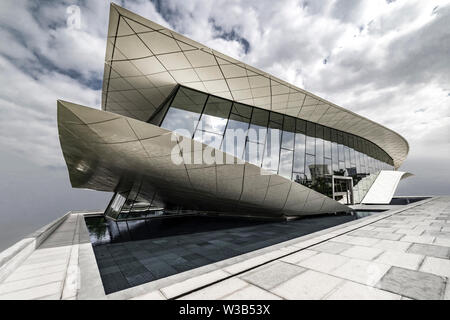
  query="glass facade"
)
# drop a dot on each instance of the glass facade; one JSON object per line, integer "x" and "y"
{"x": 303, "y": 151}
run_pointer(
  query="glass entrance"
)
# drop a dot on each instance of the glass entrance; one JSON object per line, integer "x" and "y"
{"x": 343, "y": 189}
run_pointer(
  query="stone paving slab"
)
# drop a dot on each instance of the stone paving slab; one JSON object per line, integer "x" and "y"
{"x": 395, "y": 257}
{"x": 273, "y": 274}
{"x": 372, "y": 258}
{"x": 355, "y": 291}
{"x": 413, "y": 284}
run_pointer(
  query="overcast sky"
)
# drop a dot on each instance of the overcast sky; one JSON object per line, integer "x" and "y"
{"x": 388, "y": 60}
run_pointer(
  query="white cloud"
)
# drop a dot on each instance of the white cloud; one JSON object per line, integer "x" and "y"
{"x": 388, "y": 61}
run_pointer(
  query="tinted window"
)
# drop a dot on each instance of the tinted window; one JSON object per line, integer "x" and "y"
{"x": 184, "y": 112}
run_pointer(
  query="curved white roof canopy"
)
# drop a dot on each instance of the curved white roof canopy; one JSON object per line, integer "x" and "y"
{"x": 145, "y": 61}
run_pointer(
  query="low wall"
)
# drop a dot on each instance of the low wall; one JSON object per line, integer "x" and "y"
{"x": 12, "y": 257}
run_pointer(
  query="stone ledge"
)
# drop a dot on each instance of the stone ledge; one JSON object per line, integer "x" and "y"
{"x": 13, "y": 256}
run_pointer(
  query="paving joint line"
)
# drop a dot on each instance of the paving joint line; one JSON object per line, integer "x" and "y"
{"x": 293, "y": 252}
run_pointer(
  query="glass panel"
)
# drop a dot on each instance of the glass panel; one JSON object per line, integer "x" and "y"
{"x": 326, "y": 134}
{"x": 328, "y": 169}
{"x": 299, "y": 177}
{"x": 208, "y": 138}
{"x": 116, "y": 205}
{"x": 310, "y": 145}
{"x": 352, "y": 153}
{"x": 140, "y": 207}
{"x": 288, "y": 133}
{"x": 215, "y": 115}
{"x": 235, "y": 136}
{"x": 358, "y": 164}
{"x": 288, "y": 140}
{"x": 286, "y": 159}
{"x": 362, "y": 163}
{"x": 342, "y": 171}
{"x": 276, "y": 117}
{"x": 184, "y": 112}
{"x": 260, "y": 117}
{"x": 310, "y": 168}
{"x": 258, "y": 127}
{"x": 366, "y": 161}
{"x": 253, "y": 153}
{"x": 327, "y": 149}
{"x": 340, "y": 147}
{"x": 241, "y": 110}
{"x": 130, "y": 200}
{"x": 347, "y": 156}
{"x": 335, "y": 156}
{"x": 272, "y": 149}
{"x": 189, "y": 100}
{"x": 310, "y": 138}
{"x": 300, "y": 126}
{"x": 299, "y": 153}
{"x": 326, "y": 184}
{"x": 319, "y": 148}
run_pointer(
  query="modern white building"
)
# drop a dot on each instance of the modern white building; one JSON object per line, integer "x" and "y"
{"x": 184, "y": 127}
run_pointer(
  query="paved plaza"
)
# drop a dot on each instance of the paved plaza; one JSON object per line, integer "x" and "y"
{"x": 397, "y": 254}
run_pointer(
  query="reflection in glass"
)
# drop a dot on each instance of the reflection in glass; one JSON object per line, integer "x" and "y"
{"x": 116, "y": 206}
{"x": 299, "y": 177}
{"x": 299, "y": 153}
{"x": 288, "y": 133}
{"x": 347, "y": 157}
{"x": 342, "y": 169}
{"x": 242, "y": 110}
{"x": 341, "y": 147}
{"x": 310, "y": 145}
{"x": 272, "y": 149}
{"x": 335, "y": 156}
{"x": 310, "y": 167}
{"x": 286, "y": 158}
{"x": 352, "y": 157}
{"x": 277, "y": 118}
{"x": 258, "y": 127}
{"x": 310, "y": 139}
{"x": 235, "y": 136}
{"x": 208, "y": 138}
{"x": 295, "y": 148}
{"x": 328, "y": 169}
{"x": 184, "y": 112}
{"x": 181, "y": 121}
{"x": 189, "y": 100}
{"x": 215, "y": 115}
{"x": 253, "y": 153}
{"x": 140, "y": 208}
{"x": 327, "y": 142}
{"x": 319, "y": 151}
{"x": 327, "y": 149}
{"x": 212, "y": 124}
{"x": 358, "y": 165}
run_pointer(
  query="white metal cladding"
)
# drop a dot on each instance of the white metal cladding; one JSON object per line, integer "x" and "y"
{"x": 109, "y": 152}
{"x": 145, "y": 61}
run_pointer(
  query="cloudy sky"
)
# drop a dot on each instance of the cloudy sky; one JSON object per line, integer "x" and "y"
{"x": 388, "y": 60}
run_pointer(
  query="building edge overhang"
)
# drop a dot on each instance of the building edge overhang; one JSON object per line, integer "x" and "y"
{"x": 320, "y": 111}
{"x": 140, "y": 151}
